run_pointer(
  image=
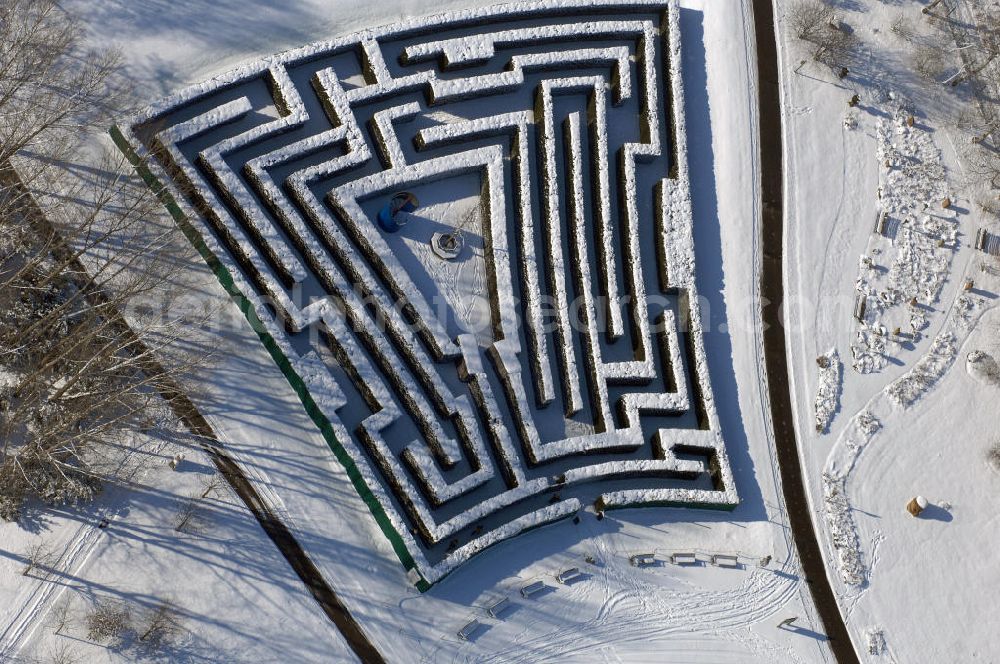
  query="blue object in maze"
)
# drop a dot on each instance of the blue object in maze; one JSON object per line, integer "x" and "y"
{"x": 401, "y": 202}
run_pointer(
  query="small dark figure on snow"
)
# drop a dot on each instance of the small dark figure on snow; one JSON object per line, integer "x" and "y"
{"x": 855, "y": 100}
{"x": 103, "y": 524}
{"x": 844, "y": 71}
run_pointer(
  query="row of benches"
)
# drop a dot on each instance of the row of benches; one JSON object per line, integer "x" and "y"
{"x": 719, "y": 560}
{"x": 496, "y": 608}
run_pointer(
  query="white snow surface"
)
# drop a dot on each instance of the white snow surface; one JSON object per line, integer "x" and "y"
{"x": 244, "y": 602}
{"x": 912, "y": 421}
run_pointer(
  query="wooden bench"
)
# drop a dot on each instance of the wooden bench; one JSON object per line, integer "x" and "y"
{"x": 469, "y": 629}
{"x": 532, "y": 588}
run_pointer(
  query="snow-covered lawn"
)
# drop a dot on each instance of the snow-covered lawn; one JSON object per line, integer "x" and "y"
{"x": 244, "y": 604}
{"x": 236, "y": 597}
{"x": 880, "y": 207}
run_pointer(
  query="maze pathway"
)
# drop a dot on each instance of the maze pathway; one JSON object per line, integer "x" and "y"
{"x": 553, "y": 134}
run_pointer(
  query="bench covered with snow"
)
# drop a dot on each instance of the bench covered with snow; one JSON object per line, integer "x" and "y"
{"x": 568, "y": 575}
{"x": 642, "y": 559}
{"x": 532, "y": 588}
{"x": 721, "y": 560}
{"x": 469, "y": 629}
{"x": 684, "y": 559}
{"x": 498, "y": 607}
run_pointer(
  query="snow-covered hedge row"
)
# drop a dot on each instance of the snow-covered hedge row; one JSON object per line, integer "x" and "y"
{"x": 828, "y": 388}
{"x": 916, "y": 240}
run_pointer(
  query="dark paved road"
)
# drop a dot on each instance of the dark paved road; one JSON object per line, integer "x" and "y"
{"x": 775, "y": 353}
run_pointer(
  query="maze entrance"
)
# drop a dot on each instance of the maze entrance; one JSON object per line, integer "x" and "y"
{"x": 557, "y": 360}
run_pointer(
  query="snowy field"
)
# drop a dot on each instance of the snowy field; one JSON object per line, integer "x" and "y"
{"x": 220, "y": 570}
{"x": 614, "y": 611}
{"x": 907, "y": 418}
{"x": 883, "y": 414}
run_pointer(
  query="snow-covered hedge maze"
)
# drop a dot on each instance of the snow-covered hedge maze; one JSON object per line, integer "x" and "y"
{"x": 563, "y": 123}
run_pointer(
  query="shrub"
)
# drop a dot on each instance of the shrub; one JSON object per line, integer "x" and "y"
{"x": 109, "y": 621}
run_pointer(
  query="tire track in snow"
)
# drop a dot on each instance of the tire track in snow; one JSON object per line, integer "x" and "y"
{"x": 657, "y": 613}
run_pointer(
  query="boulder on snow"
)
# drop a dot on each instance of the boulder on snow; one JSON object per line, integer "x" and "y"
{"x": 916, "y": 505}
{"x": 983, "y": 367}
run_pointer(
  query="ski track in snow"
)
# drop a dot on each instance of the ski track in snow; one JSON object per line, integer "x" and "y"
{"x": 757, "y": 252}
{"x": 38, "y": 602}
{"x": 75, "y": 554}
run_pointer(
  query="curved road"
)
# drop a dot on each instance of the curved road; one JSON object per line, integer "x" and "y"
{"x": 775, "y": 355}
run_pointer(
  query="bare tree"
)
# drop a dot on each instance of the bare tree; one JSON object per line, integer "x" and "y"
{"x": 187, "y": 515}
{"x": 61, "y": 615}
{"x": 985, "y": 167}
{"x": 815, "y": 22}
{"x": 810, "y": 19}
{"x": 109, "y": 621}
{"x": 212, "y": 485}
{"x": 50, "y": 85}
{"x": 84, "y": 365}
{"x": 62, "y": 653}
{"x": 928, "y": 61}
{"x": 903, "y": 27}
{"x": 161, "y": 625}
{"x": 38, "y": 555}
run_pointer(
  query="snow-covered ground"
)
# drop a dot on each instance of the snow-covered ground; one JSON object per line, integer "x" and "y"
{"x": 237, "y": 598}
{"x": 241, "y": 601}
{"x": 912, "y": 420}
